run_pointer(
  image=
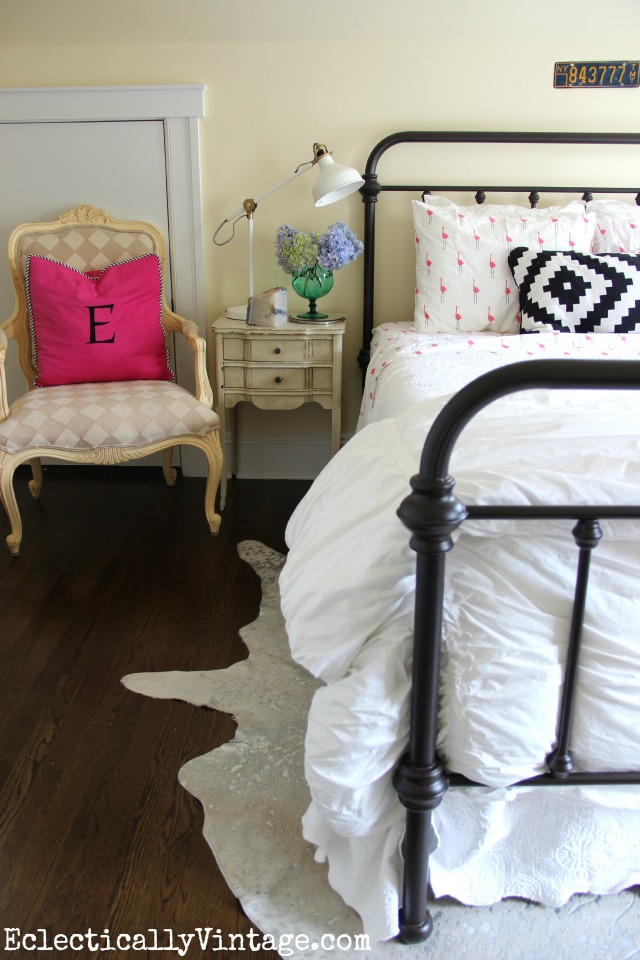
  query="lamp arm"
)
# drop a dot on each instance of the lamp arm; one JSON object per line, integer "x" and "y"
{"x": 296, "y": 173}
{"x": 248, "y": 206}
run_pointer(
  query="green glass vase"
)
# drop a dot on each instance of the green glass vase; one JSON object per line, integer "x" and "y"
{"x": 311, "y": 284}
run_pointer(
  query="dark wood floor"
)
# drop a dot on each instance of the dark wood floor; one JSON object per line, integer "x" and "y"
{"x": 118, "y": 574}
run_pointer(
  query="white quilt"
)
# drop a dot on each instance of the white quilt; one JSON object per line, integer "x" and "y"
{"x": 347, "y": 591}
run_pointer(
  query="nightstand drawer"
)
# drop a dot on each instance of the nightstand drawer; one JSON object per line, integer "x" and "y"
{"x": 277, "y": 379}
{"x": 279, "y": 349}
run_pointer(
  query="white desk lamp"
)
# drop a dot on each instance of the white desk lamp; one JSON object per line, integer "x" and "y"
{"x": 332, "y": 183}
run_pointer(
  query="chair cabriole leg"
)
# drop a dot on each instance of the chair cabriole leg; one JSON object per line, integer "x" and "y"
{"x": 213, "y": 453}
{"x": 170, "y": 473}
{"x": 10, "y": 505}
{"x": 35, "y": 485}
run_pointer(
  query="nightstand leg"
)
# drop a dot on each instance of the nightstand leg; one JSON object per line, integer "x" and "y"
{"x": 234, "y": 443}
{"x": 335, "y": 430}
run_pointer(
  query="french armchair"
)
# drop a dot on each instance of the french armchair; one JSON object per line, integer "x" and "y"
{"x": 109, "y": 416}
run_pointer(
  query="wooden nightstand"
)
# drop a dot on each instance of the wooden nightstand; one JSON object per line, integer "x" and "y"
{"x": 277, "y": 369}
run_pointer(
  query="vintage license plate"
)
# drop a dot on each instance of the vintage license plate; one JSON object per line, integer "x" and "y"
{"x": 593, "y": 73}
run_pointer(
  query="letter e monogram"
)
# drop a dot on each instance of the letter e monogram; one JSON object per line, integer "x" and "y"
{"x": 93, "y": 323}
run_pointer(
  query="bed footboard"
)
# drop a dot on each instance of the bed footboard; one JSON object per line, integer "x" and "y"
{"x": 433, "y": 513}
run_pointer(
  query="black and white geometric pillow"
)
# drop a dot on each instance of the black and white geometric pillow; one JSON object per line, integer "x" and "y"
{"x": 577, "y": 292}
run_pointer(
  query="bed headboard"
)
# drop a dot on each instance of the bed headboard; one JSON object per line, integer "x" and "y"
{"x": 372, "y": 188}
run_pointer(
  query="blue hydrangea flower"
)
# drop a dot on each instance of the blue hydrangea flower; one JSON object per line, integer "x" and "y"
{"x": 338, "y": 246}
{"x": 297, "y": 250}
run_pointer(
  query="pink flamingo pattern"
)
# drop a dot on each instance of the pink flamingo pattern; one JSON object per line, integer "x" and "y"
{"x": 616, "y": 236}
{"x": 459, "y": 258}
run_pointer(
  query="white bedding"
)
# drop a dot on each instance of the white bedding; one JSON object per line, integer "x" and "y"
{"x": 347, "y": 591}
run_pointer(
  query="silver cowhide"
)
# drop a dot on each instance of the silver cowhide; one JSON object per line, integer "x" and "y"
{"x": 253, "y": 793}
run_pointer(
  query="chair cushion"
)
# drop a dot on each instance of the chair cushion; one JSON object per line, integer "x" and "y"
{"x": 99, "y": 326}
{"x": 84, "y": 416}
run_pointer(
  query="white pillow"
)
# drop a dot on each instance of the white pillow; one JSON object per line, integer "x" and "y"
{"x": 617, "y": 226}
{"x": 463, "y": 281}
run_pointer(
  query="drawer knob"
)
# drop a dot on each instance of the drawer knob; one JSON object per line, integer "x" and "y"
{"x": 278, "y": 379}
{"x": 277, "y": 350}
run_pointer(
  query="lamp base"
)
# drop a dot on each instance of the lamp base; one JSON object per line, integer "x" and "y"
{"x": 237, "y": 313}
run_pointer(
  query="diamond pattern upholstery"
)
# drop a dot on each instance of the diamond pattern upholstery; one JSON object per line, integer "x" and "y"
{"x": 85, "y": 249}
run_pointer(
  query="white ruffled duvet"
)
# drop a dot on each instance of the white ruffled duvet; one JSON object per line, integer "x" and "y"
{"x": 347, "y": 593}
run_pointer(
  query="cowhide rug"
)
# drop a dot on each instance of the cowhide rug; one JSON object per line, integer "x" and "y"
{"x": 254, "y": 793}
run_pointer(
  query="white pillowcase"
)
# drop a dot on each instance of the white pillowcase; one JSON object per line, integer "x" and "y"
{"x": 617, "y": 226}
{"x": 463, "y": 281}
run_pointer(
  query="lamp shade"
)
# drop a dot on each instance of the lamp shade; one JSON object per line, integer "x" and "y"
{"x": 334, "y": 181}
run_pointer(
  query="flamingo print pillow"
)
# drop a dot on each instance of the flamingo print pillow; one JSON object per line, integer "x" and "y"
{"x": 463, "y": 280}
{"x": 617, "y": 227}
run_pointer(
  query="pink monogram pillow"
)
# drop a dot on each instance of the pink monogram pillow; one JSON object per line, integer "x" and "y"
{"x": 100, "y": 326}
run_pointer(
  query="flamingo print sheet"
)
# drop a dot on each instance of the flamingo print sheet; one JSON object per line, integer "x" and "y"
{"x": 348, "y": 595}
{"x": 408, "y": 365}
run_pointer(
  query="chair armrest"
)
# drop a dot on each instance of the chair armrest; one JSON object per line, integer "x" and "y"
{"x": 4, "y": 405}
{"x": 198, "y": 344}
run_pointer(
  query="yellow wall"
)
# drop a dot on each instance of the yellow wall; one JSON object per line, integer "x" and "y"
{"x": 268, "y": 101}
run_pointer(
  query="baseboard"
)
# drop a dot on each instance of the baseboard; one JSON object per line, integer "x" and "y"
{"x": 280, "y": 457}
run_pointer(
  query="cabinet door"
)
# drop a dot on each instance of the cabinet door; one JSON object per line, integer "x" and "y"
{"x": 47, "y": 168}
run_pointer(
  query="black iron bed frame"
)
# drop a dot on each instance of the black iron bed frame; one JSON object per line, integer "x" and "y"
{"x": 432, "y": 513}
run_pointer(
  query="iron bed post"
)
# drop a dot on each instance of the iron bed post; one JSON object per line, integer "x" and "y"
{"x": 432, "y": 514}
{"x": 369, "y": 191}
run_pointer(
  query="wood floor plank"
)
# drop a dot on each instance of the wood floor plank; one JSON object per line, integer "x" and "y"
{"x": 118, "y": 574}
